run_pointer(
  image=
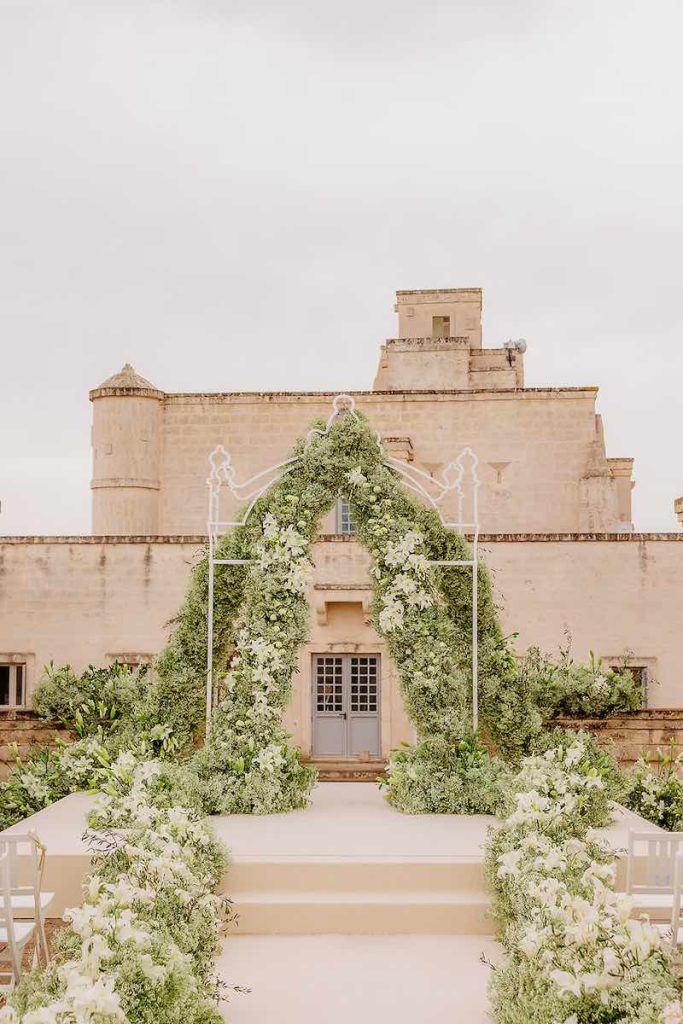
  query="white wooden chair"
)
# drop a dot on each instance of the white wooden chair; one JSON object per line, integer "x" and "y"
{"x": 673, "y": 932}
{"x": 13, "y": 934}
{"x": 26, "y": 864}
{"x": 651, "y": 871}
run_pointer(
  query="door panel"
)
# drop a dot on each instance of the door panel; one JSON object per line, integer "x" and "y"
{"x": 346, "y": 697}
{"x": 329, "y": 720}
{"x": 364, "y": 704}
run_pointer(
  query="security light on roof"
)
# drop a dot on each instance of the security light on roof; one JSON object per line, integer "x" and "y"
{"x": 516, "y": 346}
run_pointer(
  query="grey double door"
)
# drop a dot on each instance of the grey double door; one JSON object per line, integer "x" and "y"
{"x": 346, "y": 698}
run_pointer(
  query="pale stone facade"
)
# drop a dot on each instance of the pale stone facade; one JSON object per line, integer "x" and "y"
{"x": 555, "y": 511}
{"x": 541, "y": 451}
{"x": 91, "y": 600}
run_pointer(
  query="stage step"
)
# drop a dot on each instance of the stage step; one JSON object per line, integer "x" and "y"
{"x": 348, "y": 770}
{"x": 383, "y": 895}
{"x": 364, "y": 912}
{"x": 335, "y": 874}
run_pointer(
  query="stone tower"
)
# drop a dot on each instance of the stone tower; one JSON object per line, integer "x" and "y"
{"x": 126, "y": 442}
{"x": 439, "y": 346}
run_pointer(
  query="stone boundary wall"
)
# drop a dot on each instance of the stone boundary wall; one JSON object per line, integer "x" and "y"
{"x": 27, "y": 730}
{"x": 639, "y": 733}
{"x": 635, "y": 734}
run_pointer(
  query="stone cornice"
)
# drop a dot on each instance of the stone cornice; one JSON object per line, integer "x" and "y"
{"x": 109, "y": 482}
{"x": 125, "y": 392}
{"x": 462, "y": 394}
{"x": 426, "y": 344}
{"x": 334, "y": 538}
{"x": 419, "y": 295}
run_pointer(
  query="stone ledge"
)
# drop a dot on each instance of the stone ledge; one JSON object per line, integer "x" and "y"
{"x": 186, "y": 397}
{"x": 141, "y": 482}
{"x": 476, "y": 292}
{"x": 645, "y": 715}
{"x": 342, "y": 538}
{"x": 427, "y": 344}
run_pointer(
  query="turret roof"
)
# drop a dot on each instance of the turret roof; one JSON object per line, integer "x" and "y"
{"x": 127, "y": 379}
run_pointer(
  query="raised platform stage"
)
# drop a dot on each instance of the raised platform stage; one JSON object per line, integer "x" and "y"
{"x": 348, "y": 864}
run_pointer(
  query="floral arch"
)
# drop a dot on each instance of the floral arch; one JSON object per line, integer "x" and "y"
{"x": 422, "y": 606}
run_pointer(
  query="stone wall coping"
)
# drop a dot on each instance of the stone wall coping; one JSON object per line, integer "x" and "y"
{"x": 429, "y": 343}
{"x": 340, "y": 538}
{"x": 440, "y": 291}
{"x": 125, "y": 391}
{"x": 644, "y": 715}
{"x": 458, "y": 394}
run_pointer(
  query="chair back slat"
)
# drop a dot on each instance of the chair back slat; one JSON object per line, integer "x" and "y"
{"x": 25, "y": 854}
{"x": 7, "y": 918}
{"x": 651, "y": 865}
{"x": 5, "y": 901}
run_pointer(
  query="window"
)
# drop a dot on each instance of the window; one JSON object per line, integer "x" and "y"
{"x": 12, "y": 684}
{"x": 345, "y": 523}
{"x": 640, "y": 673}
{"x": 441, "y": 327}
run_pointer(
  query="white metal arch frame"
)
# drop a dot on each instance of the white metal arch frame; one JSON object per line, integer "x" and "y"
{"x": 433, "y": 490}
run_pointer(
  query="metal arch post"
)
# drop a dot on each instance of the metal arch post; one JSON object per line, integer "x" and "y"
{"x": 475, "y": 592}
{"x": 209, "y": 640}
{"x": 475, "y": 637}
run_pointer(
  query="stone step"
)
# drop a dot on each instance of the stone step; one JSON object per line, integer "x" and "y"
{"x": 297, "y": 874}
{"x": 364, "y": 912}
{"x": 348, "y": 770}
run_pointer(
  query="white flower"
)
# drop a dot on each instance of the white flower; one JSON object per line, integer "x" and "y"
{"x": 567, "y": 983}
{"x": 356, "y": 477}
{"x": 508, "y": 863}
{"x": 391, "y": 616}
{"x": 672, "y": 1013}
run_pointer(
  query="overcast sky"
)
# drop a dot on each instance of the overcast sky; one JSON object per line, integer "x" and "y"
{"x": 227, "y": 193}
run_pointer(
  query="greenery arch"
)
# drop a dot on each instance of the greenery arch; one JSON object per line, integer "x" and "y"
{"x": 261, "y": 619}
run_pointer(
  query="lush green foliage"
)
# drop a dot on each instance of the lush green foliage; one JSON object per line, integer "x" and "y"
{"x": 563, "y": 687}
{"x": 109, "y": 710}
{"x": 440, "y": 777}
{"x": 573, "y": 955}
{"x": 655, "y": 791}
{"x": 141, "y": 947}
{"x": 97, "y": 697}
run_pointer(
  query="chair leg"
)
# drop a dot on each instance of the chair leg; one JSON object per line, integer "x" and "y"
{"x": 15, "y": 957}
{"x": 41, "y": 939}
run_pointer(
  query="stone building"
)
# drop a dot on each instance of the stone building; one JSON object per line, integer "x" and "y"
{"x": 554, "y": 511}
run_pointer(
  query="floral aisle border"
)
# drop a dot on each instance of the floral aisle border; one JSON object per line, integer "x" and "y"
{"x": 142, "y": 945}
{"x": 572, "y": 951}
